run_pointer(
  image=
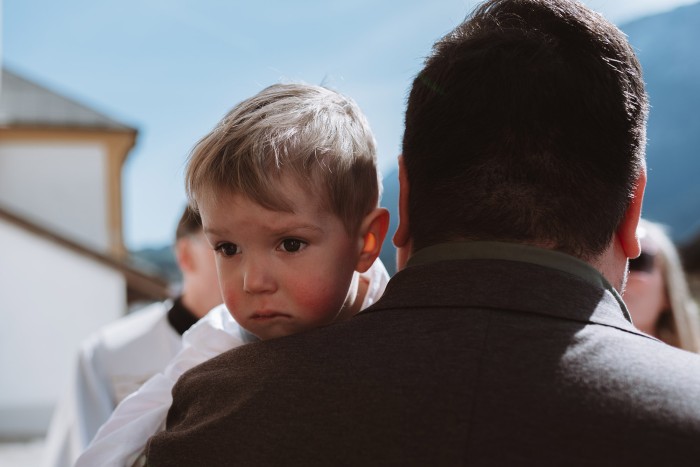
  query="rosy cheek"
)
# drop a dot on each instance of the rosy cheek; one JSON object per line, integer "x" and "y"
{"x": 231, "y": 298}
{"x": 230, "y": 292}
{"x": 308, "y": 300}
{"x": 319, "y": 300}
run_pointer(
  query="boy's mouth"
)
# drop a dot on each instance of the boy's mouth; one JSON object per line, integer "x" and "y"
{"x": 268, "y": 315}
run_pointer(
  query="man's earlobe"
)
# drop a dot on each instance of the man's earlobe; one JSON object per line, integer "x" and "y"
{"x": 403, "y": 233}
{"x": 627, "y": 232}
{"x": 373, "y": 231}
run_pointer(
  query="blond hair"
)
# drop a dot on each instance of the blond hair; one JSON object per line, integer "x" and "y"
{"x": 679, "y": 325}
{"x": 314, "y": 134}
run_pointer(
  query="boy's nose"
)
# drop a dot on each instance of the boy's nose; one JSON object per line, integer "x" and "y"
{"x": 258, "y": 278}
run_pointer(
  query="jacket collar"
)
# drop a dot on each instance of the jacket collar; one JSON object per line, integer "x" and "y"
{"x": 509, "y": 277}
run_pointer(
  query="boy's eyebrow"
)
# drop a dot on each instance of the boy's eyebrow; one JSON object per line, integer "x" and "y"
{"x": 275, "y": 231}
{"x": 208, "y": 230}
{"x": 293, "y": 227}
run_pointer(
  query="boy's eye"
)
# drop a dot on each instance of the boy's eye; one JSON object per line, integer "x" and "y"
{"x": 227, "y": 249}
{"x": 292, "y": 245}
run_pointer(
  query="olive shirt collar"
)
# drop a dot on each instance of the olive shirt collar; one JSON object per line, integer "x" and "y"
{"x": 517, "y": 252}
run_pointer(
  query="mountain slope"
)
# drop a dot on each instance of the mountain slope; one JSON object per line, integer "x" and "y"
{"x": 666, "y": 45}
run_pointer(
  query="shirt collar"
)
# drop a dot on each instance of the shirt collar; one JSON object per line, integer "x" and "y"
{"x": 516, "y": 252}
{"x": 180, "y": 317}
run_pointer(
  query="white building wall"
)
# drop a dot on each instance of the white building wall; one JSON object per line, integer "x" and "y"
{"x": 61, "y": 185}
{"x": 50, "y": 299}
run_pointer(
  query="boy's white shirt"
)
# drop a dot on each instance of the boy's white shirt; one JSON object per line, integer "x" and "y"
{"x": 121, "y": 440}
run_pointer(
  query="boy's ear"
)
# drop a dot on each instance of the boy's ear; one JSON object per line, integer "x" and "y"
{"x": 372, "y": 233}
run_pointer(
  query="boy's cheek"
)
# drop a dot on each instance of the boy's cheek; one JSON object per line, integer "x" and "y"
{"x": 232, "y": 302}
{"x": 230, "y": 290}
{"x": 319, "y": 299}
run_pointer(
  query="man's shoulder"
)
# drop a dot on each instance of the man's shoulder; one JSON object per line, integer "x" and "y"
{"x": 600, "y": 390}
{"x": 642, "y": 365}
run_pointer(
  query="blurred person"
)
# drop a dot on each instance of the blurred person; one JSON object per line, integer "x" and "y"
{"x": 503, "y": 340}
{"x": 657, "y": 293}
{"x": 117, "y": 359}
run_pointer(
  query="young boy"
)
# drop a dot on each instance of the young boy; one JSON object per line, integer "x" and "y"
{"x": 288, "y": 189}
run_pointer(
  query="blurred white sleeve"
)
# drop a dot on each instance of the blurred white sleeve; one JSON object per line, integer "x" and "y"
{"x": 120, "y": 441}
{"x": 81, "y": 410}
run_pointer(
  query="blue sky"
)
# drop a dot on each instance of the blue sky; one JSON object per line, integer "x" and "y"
{"x": 173, "y": 68}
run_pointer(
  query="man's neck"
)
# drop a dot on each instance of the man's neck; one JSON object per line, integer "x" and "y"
{"x": 612, "y": 264}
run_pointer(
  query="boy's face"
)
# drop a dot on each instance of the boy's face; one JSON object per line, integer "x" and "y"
{"x": 281, "y": 273}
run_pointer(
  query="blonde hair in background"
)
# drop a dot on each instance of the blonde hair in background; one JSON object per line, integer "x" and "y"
{"x": 683, "y": 329}
{"x": 314, "y": 134}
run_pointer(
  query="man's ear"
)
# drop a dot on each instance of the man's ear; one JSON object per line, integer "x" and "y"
{"x": 372, "y": 233}
{"x": 402, "y": 236}
{"x": 627, "y": 232}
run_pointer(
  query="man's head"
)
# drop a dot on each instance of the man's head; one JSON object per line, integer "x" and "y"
{"x": 527, "y": 124}
{"x": 195, "y": 258}
{"x": 288, "y": 189}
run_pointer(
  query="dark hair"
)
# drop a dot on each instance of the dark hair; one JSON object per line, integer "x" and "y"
{"x": 527, "y": 124}
{"x": 190, "y": 223}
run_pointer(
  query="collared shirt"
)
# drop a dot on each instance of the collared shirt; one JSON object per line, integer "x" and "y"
{"x": 180, "y": 317}
{"x": 516, "y": 252}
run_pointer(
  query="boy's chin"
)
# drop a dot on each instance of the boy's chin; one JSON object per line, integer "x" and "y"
{"x": 274, "y": 328}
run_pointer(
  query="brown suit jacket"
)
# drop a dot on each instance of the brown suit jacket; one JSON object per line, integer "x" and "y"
{"x": 462, "y": 362}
